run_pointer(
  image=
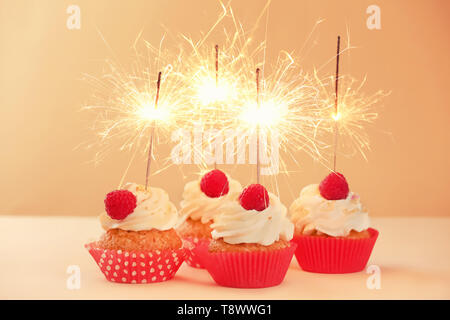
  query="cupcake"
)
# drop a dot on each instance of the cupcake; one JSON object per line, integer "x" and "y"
{"x": 140, "y": 244}
{"x": 202, "y": 200}
{"x": 250, "y": 246}
{"x": 332, "y": 228}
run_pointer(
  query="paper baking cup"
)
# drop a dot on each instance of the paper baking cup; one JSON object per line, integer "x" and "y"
{"x": 137, "y": 266}
{"x": 192, "y": 245}
{"x": 258, "y": 269}
{"x": 334, "y": 255}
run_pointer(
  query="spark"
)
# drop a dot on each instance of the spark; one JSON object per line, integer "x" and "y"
{"x": 289, "y": 106}
{"x": 208, "y": 92}
{"x": 357, "y": 112}
{"x": 209, "y": 88}
{"x": 268, "y": 114}
{"x": 124, "y": 98}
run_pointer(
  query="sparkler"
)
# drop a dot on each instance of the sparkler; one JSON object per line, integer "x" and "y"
{"x": 336, "y": 110}
{"x": 288, "y": 101}
{"x": 286, "y": 108}
{"x": 258, "y": 161}
{"x": 210, "y": 92}
{"x": 291, "y": 102}
{"x": 126, "y": 111}
{"x": 357, "y": 111}
{"x": 346, "y": 111}
{"x": 217, "y": 83}
{"x": 150, "y": 147}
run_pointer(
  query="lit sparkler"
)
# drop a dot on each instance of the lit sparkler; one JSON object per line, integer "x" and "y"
{"x": 286, "y": 106}
{"x": 336, "y": 100}
{"x": 258, "y": 124}
{"x": 130, "y": 106}
{"x": 349, "y": 116}
{"x": 216, "y": 88}
{"x": 211, "y": 90}
{"x": 154, "y": 115}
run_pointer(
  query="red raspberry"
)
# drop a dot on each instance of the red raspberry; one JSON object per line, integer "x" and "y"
{"x": 334, "y": 187}
{"x": 255, "y": 196}
{"x": 119, "y": 204}
{"x": 214, "y": 184}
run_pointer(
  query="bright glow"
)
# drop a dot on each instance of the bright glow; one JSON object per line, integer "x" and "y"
{"x": 298, "y": 105}
{"x": 356, "y": 112}
{"x": 268, "y": 114}
{"x": 336, "y": 116}
{"x": 208, "y": 92}
{"x": 149, "y": 112}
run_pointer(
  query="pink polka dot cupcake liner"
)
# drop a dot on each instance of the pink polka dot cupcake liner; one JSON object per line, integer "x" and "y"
{"x": 137, "y": 266}
{"x": 334, "y": 255}
{"x": 193, "y": 245}
{"x": 259, "y": 269}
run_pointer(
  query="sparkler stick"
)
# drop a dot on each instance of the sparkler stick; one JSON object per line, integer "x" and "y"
{"x": 149, "y": 159}
{"x": 258, "y": 164}
{"x": 336, "y": 110}
{"x": 217, "y": 83}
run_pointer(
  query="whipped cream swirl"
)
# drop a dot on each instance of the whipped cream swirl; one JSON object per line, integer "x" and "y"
{"x": 198, "y": 206}
{"x": 311, "y": 212}
{"x": 237, "y": 225}
{"x": 153, "y": 211}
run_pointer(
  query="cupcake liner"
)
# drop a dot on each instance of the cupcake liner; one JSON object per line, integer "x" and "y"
{"x": 334, "y": 255}
{"x": 137, "y": 266}
{"x": 192, "y": 246}
{"x": 258, "y": 269}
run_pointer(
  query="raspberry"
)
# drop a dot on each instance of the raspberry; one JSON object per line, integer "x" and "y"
{"x": 214, "y": 184}
{"x": 334, "y": 187}
{"x": 119, "y": 204}
{"x": 255, "y": 196}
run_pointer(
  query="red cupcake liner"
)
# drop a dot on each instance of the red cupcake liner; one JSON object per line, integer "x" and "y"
{"x": 258, "y": 269}
{"x": 334, "y": 255}
{"x": 192, "y": 246}
{"x": 137, "y": 266}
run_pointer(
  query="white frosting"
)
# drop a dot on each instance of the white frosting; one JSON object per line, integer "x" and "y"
{"x": 153, "y": 211}
{"x": 237, "y": 225}
{"x": 198, "y": 206}
{"x": 335, "y": 218}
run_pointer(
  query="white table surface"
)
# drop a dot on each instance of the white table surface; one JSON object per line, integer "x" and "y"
{"x": 413, "y": 255}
